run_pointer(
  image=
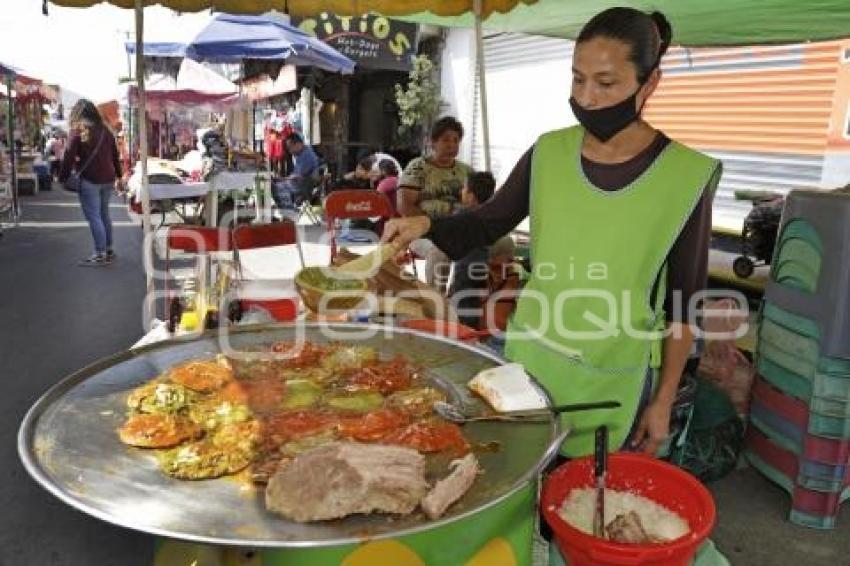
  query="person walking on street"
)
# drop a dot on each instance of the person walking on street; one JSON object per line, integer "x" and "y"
{"x": 92, "y": 154}
{"x": 54, "y": 150}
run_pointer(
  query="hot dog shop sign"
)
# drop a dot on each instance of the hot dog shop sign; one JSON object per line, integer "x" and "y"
{"x": 372, "y": 41}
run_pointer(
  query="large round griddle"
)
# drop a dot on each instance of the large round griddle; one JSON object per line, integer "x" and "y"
{"x": 68, "y": 443}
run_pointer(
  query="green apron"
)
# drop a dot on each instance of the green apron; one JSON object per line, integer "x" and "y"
{"x": 586, "y": 326}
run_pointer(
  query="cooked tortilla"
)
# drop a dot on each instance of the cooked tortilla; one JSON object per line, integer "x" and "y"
{"x": 228, "y": 451}
{"x": 157, "y": 431}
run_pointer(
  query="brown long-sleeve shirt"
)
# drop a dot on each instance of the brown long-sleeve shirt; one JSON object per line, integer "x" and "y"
{"x": 688, "y": 258}
{"x": 105, "y": 166}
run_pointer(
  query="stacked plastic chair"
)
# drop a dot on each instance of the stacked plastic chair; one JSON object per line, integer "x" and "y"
{"x": 800, "y": 416}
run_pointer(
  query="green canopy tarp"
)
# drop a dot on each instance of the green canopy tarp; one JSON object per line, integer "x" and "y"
{"x": 695, "y": 22}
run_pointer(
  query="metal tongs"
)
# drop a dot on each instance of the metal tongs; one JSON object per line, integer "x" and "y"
{"x": 600, "y": 469}
{"x": 455, "y": 414}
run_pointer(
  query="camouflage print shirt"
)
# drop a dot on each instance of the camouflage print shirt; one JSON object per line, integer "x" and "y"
{"x": 439, "y": 187}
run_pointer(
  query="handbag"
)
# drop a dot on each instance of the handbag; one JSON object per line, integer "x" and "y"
{"x": 74, "y": 180}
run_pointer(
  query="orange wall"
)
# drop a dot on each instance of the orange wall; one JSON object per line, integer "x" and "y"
{"x": 837, "y": 139}
{"x": 774, "y": 99}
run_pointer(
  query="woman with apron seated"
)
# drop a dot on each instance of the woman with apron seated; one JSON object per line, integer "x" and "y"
{"x": 620, "y": 221}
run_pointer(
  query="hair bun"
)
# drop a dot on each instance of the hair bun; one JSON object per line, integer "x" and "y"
{"x": 665, "y": 31}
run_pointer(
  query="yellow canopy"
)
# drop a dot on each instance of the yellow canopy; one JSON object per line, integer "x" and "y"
{"x": 232, "y": 6}
{"x": 313, "y": 7}
{"x": 401, "y": 7}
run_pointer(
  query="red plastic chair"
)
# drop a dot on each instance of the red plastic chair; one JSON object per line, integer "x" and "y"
{"x": 350, "y": 204}
{"x": 248, "y": 237}
{"x": 198, "y": 239}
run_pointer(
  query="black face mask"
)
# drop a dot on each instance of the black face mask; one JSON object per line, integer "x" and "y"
{"x": 605, "y": 123}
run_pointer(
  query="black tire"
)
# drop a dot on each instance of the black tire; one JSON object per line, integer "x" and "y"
{"x": 743, "y": 267}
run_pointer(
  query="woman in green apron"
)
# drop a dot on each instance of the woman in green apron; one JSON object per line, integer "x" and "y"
{"x": 620, "y": 220}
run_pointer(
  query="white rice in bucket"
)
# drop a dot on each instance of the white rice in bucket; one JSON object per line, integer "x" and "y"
{"x": 659, "y": 522}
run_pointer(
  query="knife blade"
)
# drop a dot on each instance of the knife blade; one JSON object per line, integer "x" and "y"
{"x": 600, "y": 469}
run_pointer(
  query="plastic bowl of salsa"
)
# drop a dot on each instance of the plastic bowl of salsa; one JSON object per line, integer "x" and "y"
{"x": 323, "y": 293}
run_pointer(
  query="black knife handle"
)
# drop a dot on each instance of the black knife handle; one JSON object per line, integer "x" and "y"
{"x": 601, "y": 452}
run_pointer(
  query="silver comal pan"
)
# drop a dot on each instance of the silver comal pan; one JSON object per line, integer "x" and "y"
{"x": 68, "y": 443}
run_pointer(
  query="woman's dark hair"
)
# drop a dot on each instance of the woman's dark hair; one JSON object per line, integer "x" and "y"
{"x": 482, "y": 184}
{"x": 388, "y": 168}
{"x": 366, "y": 163}
{"x": 446, "y": 124}
{"x": 85, "y": 111}
{"x": 647, "y": 35}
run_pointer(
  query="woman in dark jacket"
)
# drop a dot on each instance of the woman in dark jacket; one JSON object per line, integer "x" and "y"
{"x": 93, "y": 154}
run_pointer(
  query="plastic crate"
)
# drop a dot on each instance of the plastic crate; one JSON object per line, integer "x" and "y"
{"x": 802, "y": 350}
{"x": 797, "y": 275}
{"x": 826, "y": 450}
{"x": 784, "y": 406}
{"x": 801, "y": 368}
{"x": 781, "y": 431}
{"x": 828, "y": 405}
{"x": 801, "y": 252}
{"x": 796, "y": 471}
{"x": 784, "y": 464}
{"x": 830, "y": 427}
{"x": 789, "y": 419}
{"x": 798, "y": 440}
{"x": 784, "y": 379}
{"x": 812, "y": 521}
{"x": 822, "y": 477}
{"x": 790, "y": 321}
{"x": 816, "y": 503}
{"x": 802, "y": 230}
{"x": 816, "y": 224}
{"x": 809, "y": 507}
{"x": 836, "y": 366}
{"x": 831, "y": 386}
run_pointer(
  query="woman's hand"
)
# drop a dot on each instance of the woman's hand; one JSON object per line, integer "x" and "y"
{"x": 654, "y": 426}
{"x": 402, "y": 231}
{"x": 120, "y": 189}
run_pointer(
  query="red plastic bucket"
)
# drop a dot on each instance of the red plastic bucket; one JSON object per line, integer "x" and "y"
{"x": 654, "y": 479}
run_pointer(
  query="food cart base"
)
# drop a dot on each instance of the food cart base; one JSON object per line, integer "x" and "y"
{"x": 501, "y": 535}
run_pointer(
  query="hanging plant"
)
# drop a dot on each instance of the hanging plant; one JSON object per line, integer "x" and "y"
{"x": 418, "y": 102}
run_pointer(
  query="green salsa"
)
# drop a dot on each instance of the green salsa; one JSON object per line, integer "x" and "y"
{"x": 316, "y": 277}
{"x": 301, "y": 394}
{"x": 359, "y": 402}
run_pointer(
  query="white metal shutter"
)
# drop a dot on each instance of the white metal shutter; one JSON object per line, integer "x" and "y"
{"x": 505, "y": 52}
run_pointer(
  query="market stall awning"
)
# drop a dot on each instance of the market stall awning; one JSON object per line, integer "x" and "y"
{"x": 194, "y": 84}
{"x": 159, "y": 48}
{"x": 232, "y": 6}
{"x": 721, "y": 22}
{"x": 233, "y": 38}
{"x": 7, "y": 69}
{"x": 111, "y": 113}
{"x": 314, "y": 7}
{"x": 18, "y": 74}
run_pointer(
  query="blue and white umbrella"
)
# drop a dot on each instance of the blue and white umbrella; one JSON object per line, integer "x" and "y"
{"x": 230, "y": 38}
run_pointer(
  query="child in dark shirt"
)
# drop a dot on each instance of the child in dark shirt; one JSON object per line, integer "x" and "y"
{"x": 469, "y": 281}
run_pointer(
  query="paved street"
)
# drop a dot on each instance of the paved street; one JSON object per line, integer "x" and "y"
{"x": 58, "y": 317}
